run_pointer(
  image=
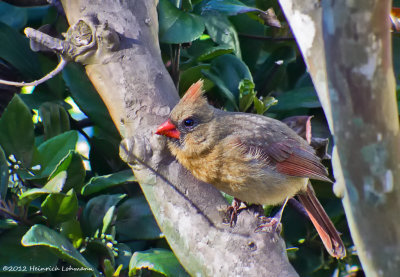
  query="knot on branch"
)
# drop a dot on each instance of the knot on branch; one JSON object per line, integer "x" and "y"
{"x": 135, "y": 151}
{"x": 87, "y": 41}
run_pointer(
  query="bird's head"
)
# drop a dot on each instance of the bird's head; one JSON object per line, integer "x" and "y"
{"x": 189, "y": 121}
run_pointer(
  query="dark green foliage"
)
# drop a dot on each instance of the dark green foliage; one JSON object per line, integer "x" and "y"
{"x": 62, "y": 207}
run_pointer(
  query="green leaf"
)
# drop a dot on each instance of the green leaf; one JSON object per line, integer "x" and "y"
{"x": 228, "y": 7}
{"x": 214, "y": 52}
{"x": 227, "y": 72}
{"x": 8, "y": 224}
{"x": 246, "y": 94}
{"x": 176, "y": 26}
{"x": 73, "y": 164}
{"x": 54, "y": 150}
{"x": 18, "y": 53}
{"x": 263, "y": 104}
{"x": 13, "y": 253}
{"x": 250, "y": 48}
{"x": 16, "y": 131}
{"x": 272, "y": 73}
{"x": 15, "y": 17}
{"x": 124, "y": 255}
{"x": 222, "y": 32}
{"x": 100, "y": 183}
{"x": 95, "y": 210}
{"x": 159, "y": 260}
{"x": 40, "y": 235}
{"x": 108, "y": 268}
{"x": 55, "y": 119}
{"x": 58, "y": 208}
{"x": 3, "y": 175}
{"x": 72, "y": 230}
{"x": 108, "y": 219}
{"x": 135, "y": 220}
{"x": 104, "y": 157}
{"x": 87, "y": 98}
{"x": 55, "y": 185}
{"x": 294, "y": 99}
{"x": 191, "y": 76}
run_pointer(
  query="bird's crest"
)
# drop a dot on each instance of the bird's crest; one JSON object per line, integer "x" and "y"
{"x": 194, "y": 93}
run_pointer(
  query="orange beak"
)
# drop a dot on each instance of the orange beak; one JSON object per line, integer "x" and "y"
{"x": 168, "y": 129}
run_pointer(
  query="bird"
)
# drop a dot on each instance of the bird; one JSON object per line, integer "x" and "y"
{"x": 254, "y": 158}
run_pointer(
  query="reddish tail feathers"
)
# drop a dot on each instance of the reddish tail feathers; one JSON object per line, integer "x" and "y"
{"x": 325, "y": 228}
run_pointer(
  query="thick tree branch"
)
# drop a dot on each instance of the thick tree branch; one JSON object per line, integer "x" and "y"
{"x": 139, "y": 94}
{"x": 347, "y": 47}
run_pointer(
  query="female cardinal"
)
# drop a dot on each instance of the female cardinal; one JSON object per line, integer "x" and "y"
{"x": 254, "y": 158}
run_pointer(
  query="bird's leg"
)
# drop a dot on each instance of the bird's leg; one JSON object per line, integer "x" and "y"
{"x": 272, "y": 223}
{"x": 233, "y": 211}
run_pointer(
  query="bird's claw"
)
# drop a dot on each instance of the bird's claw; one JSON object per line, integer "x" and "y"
{"x": 233, "y": 211}
{"x": 269, "y": 224}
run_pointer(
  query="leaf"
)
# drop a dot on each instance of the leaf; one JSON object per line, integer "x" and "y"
{"x": 204, "y": 49}
{"x": 246, "y": 94}
{"x": 124, "y": 255}
{"x": 95, "y": 210}
{"x": 176, "y": 26}
{"x": 223, "y": 32}
{"x": 55, "y": 119}
{"x": 100, "y": 183}
{"x": 263, "y": 104}
{"x": 72, "y": 230}
{"x": 228, "y": 7}
{"x": 54, "y": 150}
{"x": 18, "y": 53}
{"x": 16, "y": 131}
{"x": 104, "y": 157}
{"x": 249, "y": 47}
{"x": 73, "y": 164}
{"x": 159, "y": 260}
{"x": 108, "y": 219}
{"x": 15, "y": 17}
{"x": 55, "y": 185}
{"x": 135, "y": 221}
{"x": 58, "y": 208}
{"x": 87, "y": 98}
{"x": 108, "y": 268}
{"x": 294, "y": 99}
{"x": 8, "y": 224}
{"x": 214, "y": 52}
{"x": 226, "y": 72}
{"x": 191, "y": 76}
{"x": 13, "y": 253}
{"x": 271, "y": 74}
{"x": 3, "y": 175}
{"x": 40, "y": 235}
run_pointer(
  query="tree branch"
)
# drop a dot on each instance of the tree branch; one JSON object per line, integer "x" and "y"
{"x": 356, "y": 64}
{"x": 139, "y": 94}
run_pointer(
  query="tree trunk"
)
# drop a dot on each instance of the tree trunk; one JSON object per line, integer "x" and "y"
{"x": 348, "y": 53}
{"x": 139, "y": 94}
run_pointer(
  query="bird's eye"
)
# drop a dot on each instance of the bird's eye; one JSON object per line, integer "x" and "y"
{"x": 188, "y": 122}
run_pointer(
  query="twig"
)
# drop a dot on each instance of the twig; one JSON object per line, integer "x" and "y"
{"x": 53, "y": 73}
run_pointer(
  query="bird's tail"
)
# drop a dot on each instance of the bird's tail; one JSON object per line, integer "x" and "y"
{"x": 325, "y": 228}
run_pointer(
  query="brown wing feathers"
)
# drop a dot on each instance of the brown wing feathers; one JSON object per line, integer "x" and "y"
{"x": 291, "y": 158}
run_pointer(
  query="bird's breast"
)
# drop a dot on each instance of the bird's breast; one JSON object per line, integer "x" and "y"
{"x": 241, "y": 176}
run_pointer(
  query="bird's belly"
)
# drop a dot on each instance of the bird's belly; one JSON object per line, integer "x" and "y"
{"x": 243, "y": 178}
{"x": 267, "y": 189}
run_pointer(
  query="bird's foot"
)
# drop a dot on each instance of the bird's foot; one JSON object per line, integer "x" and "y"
{"x": 233, "y": 211}
{"x": 269, "y": 224}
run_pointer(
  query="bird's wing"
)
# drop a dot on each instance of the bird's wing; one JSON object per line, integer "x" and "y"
{"x": 287, "y": 156}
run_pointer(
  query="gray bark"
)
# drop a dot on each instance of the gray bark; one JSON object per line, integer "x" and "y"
{"x": 347, "y": 47}
{"x": 139, "y": 93}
